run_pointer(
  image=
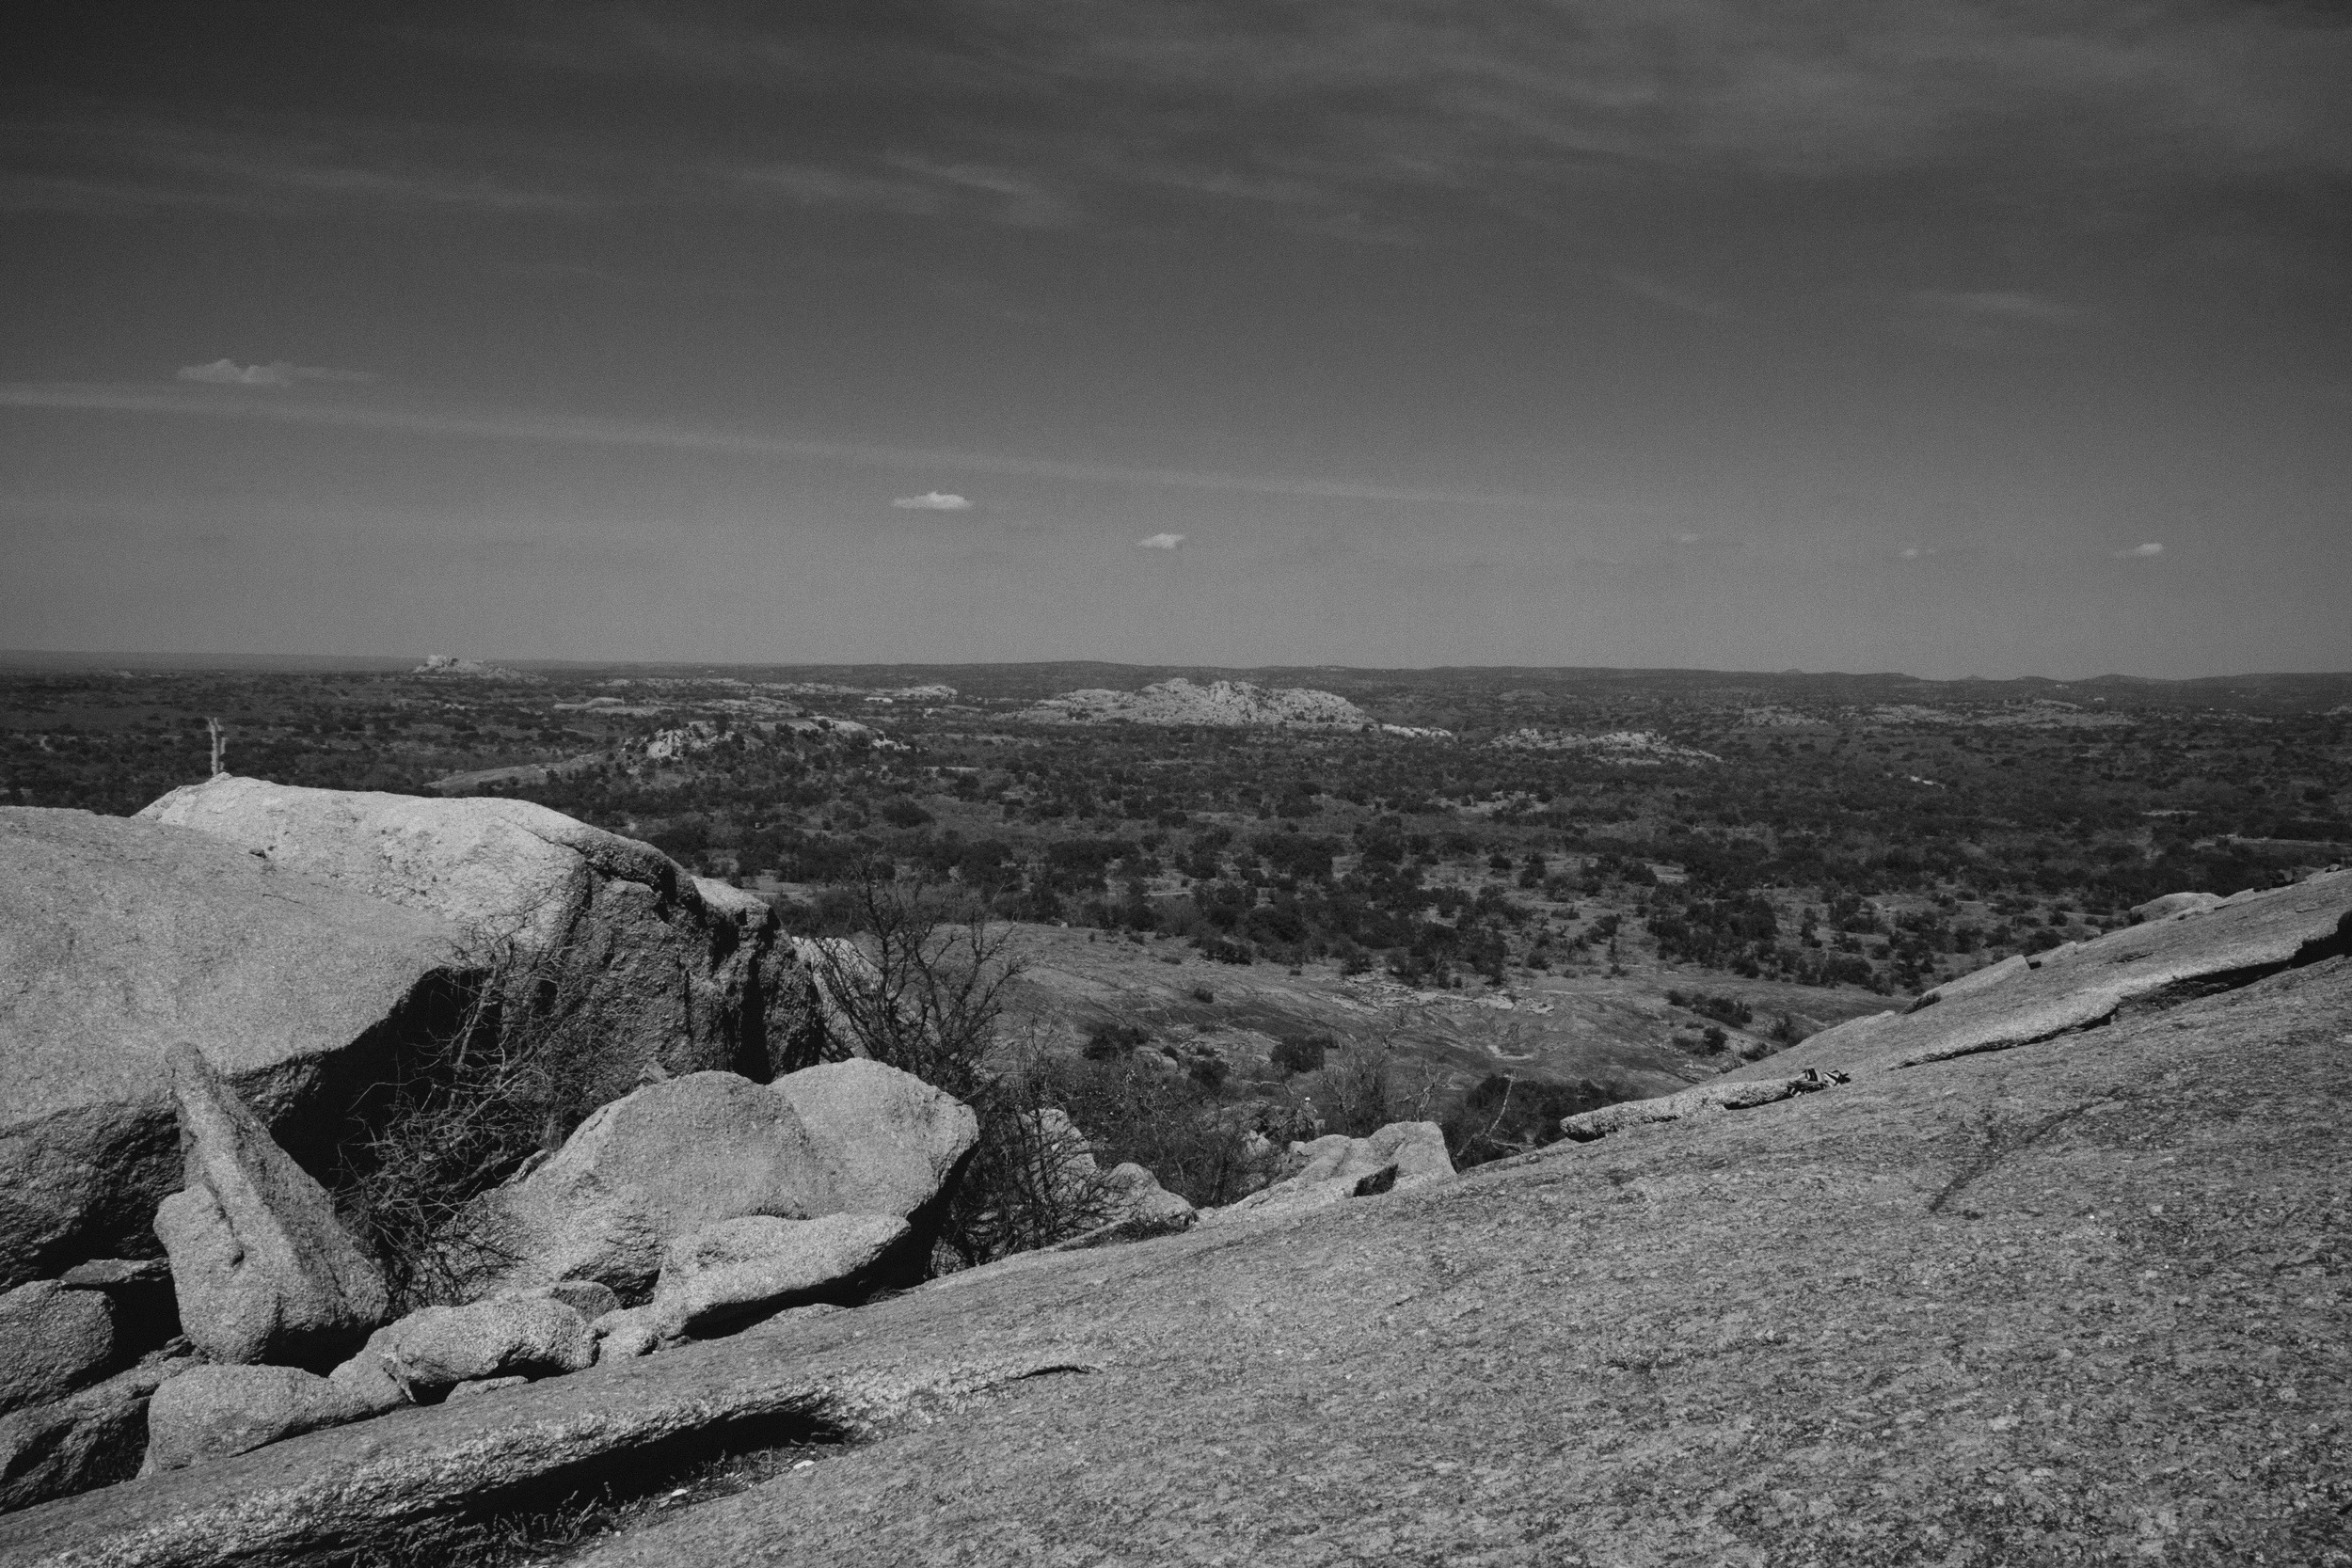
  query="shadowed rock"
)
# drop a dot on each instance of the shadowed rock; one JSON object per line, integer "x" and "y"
{"x": 53, "y": 1339}
{"x": 262, "y": 1268}
{"x": 89, "y": 1438}
{"x": 119, "y": 937}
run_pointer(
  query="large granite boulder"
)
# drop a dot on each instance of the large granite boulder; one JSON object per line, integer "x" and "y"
{"x": 651, "y": 1166}
{"x": 740, "y": 1270}
{"x": 887, "y": 1143}
{"x": 119, "y": 937}
{"x": 675, "y": 1157}
{"x": 262, "y": 1268}
{"x": 650, "y": 966}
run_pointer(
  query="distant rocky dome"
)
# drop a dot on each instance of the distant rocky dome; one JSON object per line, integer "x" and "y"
{"x": 448, "y": 664}
{"x": 1231, "y": 704}
{"x": 1627, "y": 748}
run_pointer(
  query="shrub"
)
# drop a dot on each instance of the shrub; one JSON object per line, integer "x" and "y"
{"x": 462, "y": 1114}
{"x": 1296, "y": 1054}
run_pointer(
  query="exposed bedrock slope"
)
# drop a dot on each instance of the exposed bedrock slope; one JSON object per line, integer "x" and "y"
{"x": 2076, "y": 1301}
{"x": 2143, "y": 967}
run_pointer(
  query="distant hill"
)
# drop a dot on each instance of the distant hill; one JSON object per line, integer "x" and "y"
{"x": 1230, "y": 704}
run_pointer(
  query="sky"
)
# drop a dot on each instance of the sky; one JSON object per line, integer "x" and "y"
{"x": 1928, "y": 336}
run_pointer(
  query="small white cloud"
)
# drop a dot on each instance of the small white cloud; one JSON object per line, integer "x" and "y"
{"x": 277, "y": 372}
{"x": 1913, "y": 552}
{"x": 935, "y": 500}
{"x": 2139, "y": 552}
{"x": 1160, "y": 542}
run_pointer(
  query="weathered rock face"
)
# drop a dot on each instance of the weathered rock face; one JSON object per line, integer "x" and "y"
{"x": 654, "y": 1165}
{"x": 887, "y": 1143}
{"x": 117, "y": 938}
{"x": 262, "y": 1268}
{"x": 1334, "y": 1169}
{"x": 210, "y": 1412}
{"x": 749, "y": 1268}
{"x": 53, "y": 1339}
{"x": 657, "y": 966}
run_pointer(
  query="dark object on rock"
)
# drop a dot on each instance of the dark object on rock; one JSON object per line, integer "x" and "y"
{"x": 263, "y": 1269}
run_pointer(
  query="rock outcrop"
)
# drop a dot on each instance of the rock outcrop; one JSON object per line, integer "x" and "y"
{"x": 262, "y": 1268}
{"x": 649, "y": 966}
{"x": 750, "y": 1268}
{"x": 2072, "y": 1302}
{"x": 119, "y": 938}
{"x": 1223, "y": 704}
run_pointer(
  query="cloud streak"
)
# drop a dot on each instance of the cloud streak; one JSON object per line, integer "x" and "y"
{"x": 277, "y": 372}
{"x": 2141, "y": 552}
{"x": 934, "y": 501}
{"x": 518, "y": 425}
{"x": 1161, "y": 542}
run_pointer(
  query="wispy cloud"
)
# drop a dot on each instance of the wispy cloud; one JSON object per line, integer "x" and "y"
{"x": 519, "y": 425}
{"x": 2002, "y": 306}
{"x": 277, "y": 372}
{"x": 932, "y": 500}
{"x": 2141, "y": 552}
{"x": 1161, "y": 542}
{"x": 1673, "y": 298}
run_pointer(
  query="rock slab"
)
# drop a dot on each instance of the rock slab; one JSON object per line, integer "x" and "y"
{"x": 262, "y": 1268}
{"x": 749, "y": 1268}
